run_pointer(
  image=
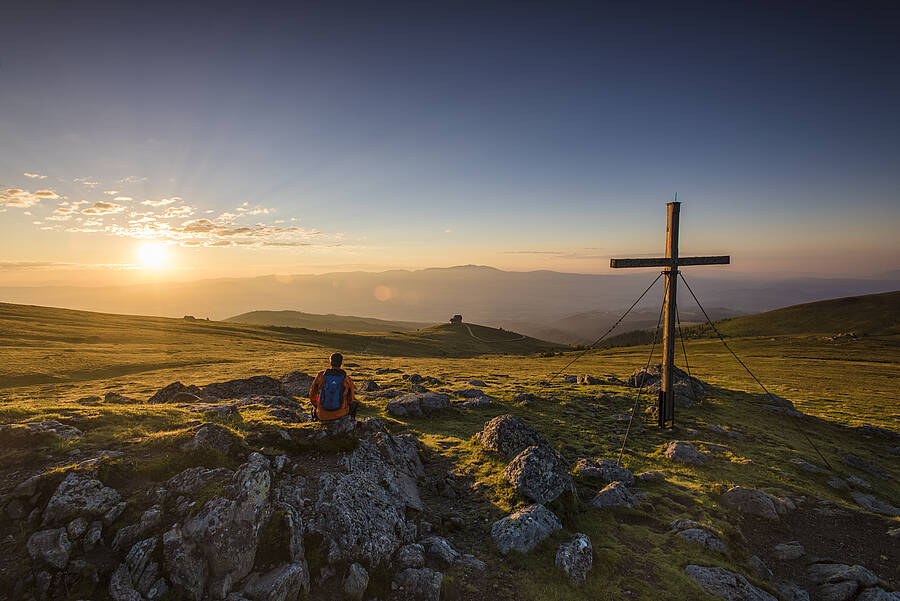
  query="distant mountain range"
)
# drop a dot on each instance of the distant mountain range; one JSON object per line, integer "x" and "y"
{"x": 314, "y": 321}
{"x": 562, "y": 307}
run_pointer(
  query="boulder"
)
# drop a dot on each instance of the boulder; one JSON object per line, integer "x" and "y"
{"x": 591, "y": 380}
{"x": 417, "y": 584}
{"x": 356, "y": 581}
{"x": 477, "y": 403}
{"x": 725, "y": 584}
{"x": 524, "y": 398}
{"x": 833, "y": 573}
{"x": 751, "y": 502}
{"x": 860, "y": 464}
{"x": 176, "y": 392}
{"x": 51, "y": 547}
{"x": 193, "y": 479}
{"x": 509, "y": 436}
{"x": 788, "y": 551}
{"x": 470, "y": 393}
{"x": 29, "y": 432}
{"x": 604, "y": 469}
{"x": 792, "y": 592}
{"x": 688, "y": 390}
{"x": 296, "y": 383}
{"x": 615, "y": 494}
{"x": 525, "y": 529}
{"x": 575, "y": 558}
{"x": 79, "y": 495}
{"x": 684, "y": 452}
{"x": 806, "y": 466}
{"x": 217, "y": 438}
{"x": 760, "y": 569}
{"x": 439, "y": 548}
{"x": 409, "y": 556}
{"x": 418, "y": 404}
{"x": 370, "y": 386}
{"x": 226, "y": 529}
{"x": 870, "y": 503}
{"x": 477, "y": 383}
{"x": 570, "y": 379}
{"x": 284, "y": 583}
{"x": 539, "y": 473}
{"x": 878, "y": 594}
{"x": 704, "y": 537}
{"x": 244, "y": 387}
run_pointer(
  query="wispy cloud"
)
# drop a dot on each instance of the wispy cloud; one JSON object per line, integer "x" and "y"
{"x": 35, "y": 175}
{"x": 123, "y": 198}
{"x": 111, "y": 192}
{"x": 161, "y": 202}
{"x": 103, "y": 208}
{"x": 17, "y": 197}
{"x": 131, "y": 179}
{"x": 182, "y": 211}
{"x": 86, "y": 181}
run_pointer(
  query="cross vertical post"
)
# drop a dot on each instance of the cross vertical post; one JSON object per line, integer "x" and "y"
{"x": 671, "y": 263}
{"x": 667, "y": 393}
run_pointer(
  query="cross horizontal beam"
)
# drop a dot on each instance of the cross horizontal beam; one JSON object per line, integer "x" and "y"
{"x": 666, "y": 262}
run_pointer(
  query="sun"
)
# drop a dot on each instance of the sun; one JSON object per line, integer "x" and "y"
{"x": 152, "y": 255}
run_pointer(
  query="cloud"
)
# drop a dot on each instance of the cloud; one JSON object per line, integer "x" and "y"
{"x": 257, "y": 210}
{"x": 111, "y": 192}
{"x": 131, "y": 179}
{"x": 561, "y": 254}
{"x": 123, "y": 198}
{"x": 17, "y": 197}
{"x": 103, "y": 208}
{"x": 182, "y": 211}
{"x": 448, "y": 231}
{"x": 161, "y": 202}
{"x": 86, "y": 181}
{"x": 46, "y": 265}
{"x": 35, "y": 175}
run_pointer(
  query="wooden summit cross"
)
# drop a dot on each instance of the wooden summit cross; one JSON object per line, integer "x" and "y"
{"x": 671, "y": 262}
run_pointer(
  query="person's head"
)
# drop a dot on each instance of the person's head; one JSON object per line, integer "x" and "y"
{"x": 336, "y": 360}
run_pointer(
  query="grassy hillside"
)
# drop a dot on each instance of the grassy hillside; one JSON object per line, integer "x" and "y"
{"x": 314, "y": 321}
{"x": 44, "y": 344}
{"x": 870, "y": 314}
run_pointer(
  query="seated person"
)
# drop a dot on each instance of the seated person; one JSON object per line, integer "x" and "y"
{"x": 332, "y": 392}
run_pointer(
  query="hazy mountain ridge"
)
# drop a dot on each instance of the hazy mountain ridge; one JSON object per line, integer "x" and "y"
{"x": 314, "y": 321}
{"x": 529, "y": 302}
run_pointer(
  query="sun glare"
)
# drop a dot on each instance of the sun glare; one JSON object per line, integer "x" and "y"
{"x": 152, "y": 255}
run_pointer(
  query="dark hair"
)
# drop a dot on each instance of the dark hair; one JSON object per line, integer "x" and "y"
{"x": 336, "y": 360}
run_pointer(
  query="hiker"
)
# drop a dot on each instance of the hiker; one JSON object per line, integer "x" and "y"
{"x": 332, "y": 393}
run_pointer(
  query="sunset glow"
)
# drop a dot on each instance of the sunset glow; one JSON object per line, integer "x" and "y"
{"x": 152, "y": 255}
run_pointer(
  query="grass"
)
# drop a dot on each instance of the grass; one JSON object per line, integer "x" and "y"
{"x": 838, "y": 384}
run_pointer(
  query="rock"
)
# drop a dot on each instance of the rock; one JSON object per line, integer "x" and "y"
{"x": 855, "y": 462}
{"x": 837, "y": 483}
{"x": 806, "y": 466}
{"x": 193, "y": 479}
{"x": 605, "y": 469}
{"x": 360, "y": 512}
{"x": 575, "y": 558}
{"x": 858, "y": 483}
{"x": 751, "y": 501}
{"x": 479, "y": 403}
{"x": 760, "y": 569}
{"x": 356, "y": 582}
{"x": 31, "y": 432}
{"x": 614, "y": 495}
{"x": 539, "y": 473}
{"x": 120, "y": 586}
{"x": 440, "y": 548}
{"x": 92, "y": 535}
{"x": 702, "y": 536}
{"x": 226, "y": 530}
{"x": 471, "y": 563}
{"x": 77, "y": 528}
{"x": 688, "y": 390}
{"x": 387, "y": 394}
{"x": 894, "y": 532}
{"x": 570, "y": 379}
{"x": 509, "y": 436}
{"x": 684, "y": 452}
{"x": 870, "y": 503}
{"x": 831, "y": 573}
{"x": 650, "y": 476}
{"x": 176, "y": 392}
{"x": 296, "y": 383}
{"x": 591, "y": 380}
{"x": 245, "y": 387}
{"x": 524, "y": 398}
{"x": 792, "y": 592}
{"x": 370, "y": 386}
{"x": 523, "y": 530}
{"x": 184, "y": 562}
{"x": 417, "y": 584}
{"x": 78, "y": 495}
{"x": 418, "y": 404}
{"x": 788, "y": 551}
{"x": 284, "y": 583}
{"x": 838, "y": 591}
{"x": 725, "y": 584}
{"x": 877, "y": 594}
{"x": 217, "y": 438}
{"x": 144, "y": 570}
{"x": 51, "y": 547}
{"x": 478, "y": 383}
{"x": 114, "y": 512}
{"x": 723, "y": 431}
{"x": 409, "y": 556}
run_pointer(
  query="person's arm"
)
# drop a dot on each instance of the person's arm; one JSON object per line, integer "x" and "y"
{"x": 351, "y": 390}
{"x": 315, "y": 388}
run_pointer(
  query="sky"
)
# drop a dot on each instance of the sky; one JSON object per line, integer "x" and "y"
{"x": 192, "y": 140}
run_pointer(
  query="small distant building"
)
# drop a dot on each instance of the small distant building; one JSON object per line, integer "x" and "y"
{"x": 190, "y": 318}
{"x": 456, "y": 319}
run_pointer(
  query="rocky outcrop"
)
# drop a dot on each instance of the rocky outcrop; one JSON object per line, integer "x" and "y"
{"x": 417, "y": 584}
{"x": 51, "y": 547}
{"x": 614, "y": 495}
{"x": 539, "y": 473}
{"x": 576, "y": 558}
{"x": 296, "y": 383}
{"x": 418, "y": 404}
{"x": 689, "y": 391}
{"x": 176, "y": 392}
{"x": 725, "y": 584}
{"x": 356, "y": 581}
{"x": 870, "y": 503}
{"x": 750, "y": 501}
{"x": 604, "y": 469}
{"x": 684, "y": 452}
{"x": 215, "y": 437}
{"x": 50, "y": 429}
{"x": 524, "y": 530}
{"x": 841, "y": 582}
{"x": 284, "y": 583}
{"x": 79, "y": 495}
{"x": 509, "y": 436}
{"x": 860, "y": 464}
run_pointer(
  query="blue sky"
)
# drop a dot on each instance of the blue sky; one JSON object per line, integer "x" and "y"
{"x": 403, "y": 135}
